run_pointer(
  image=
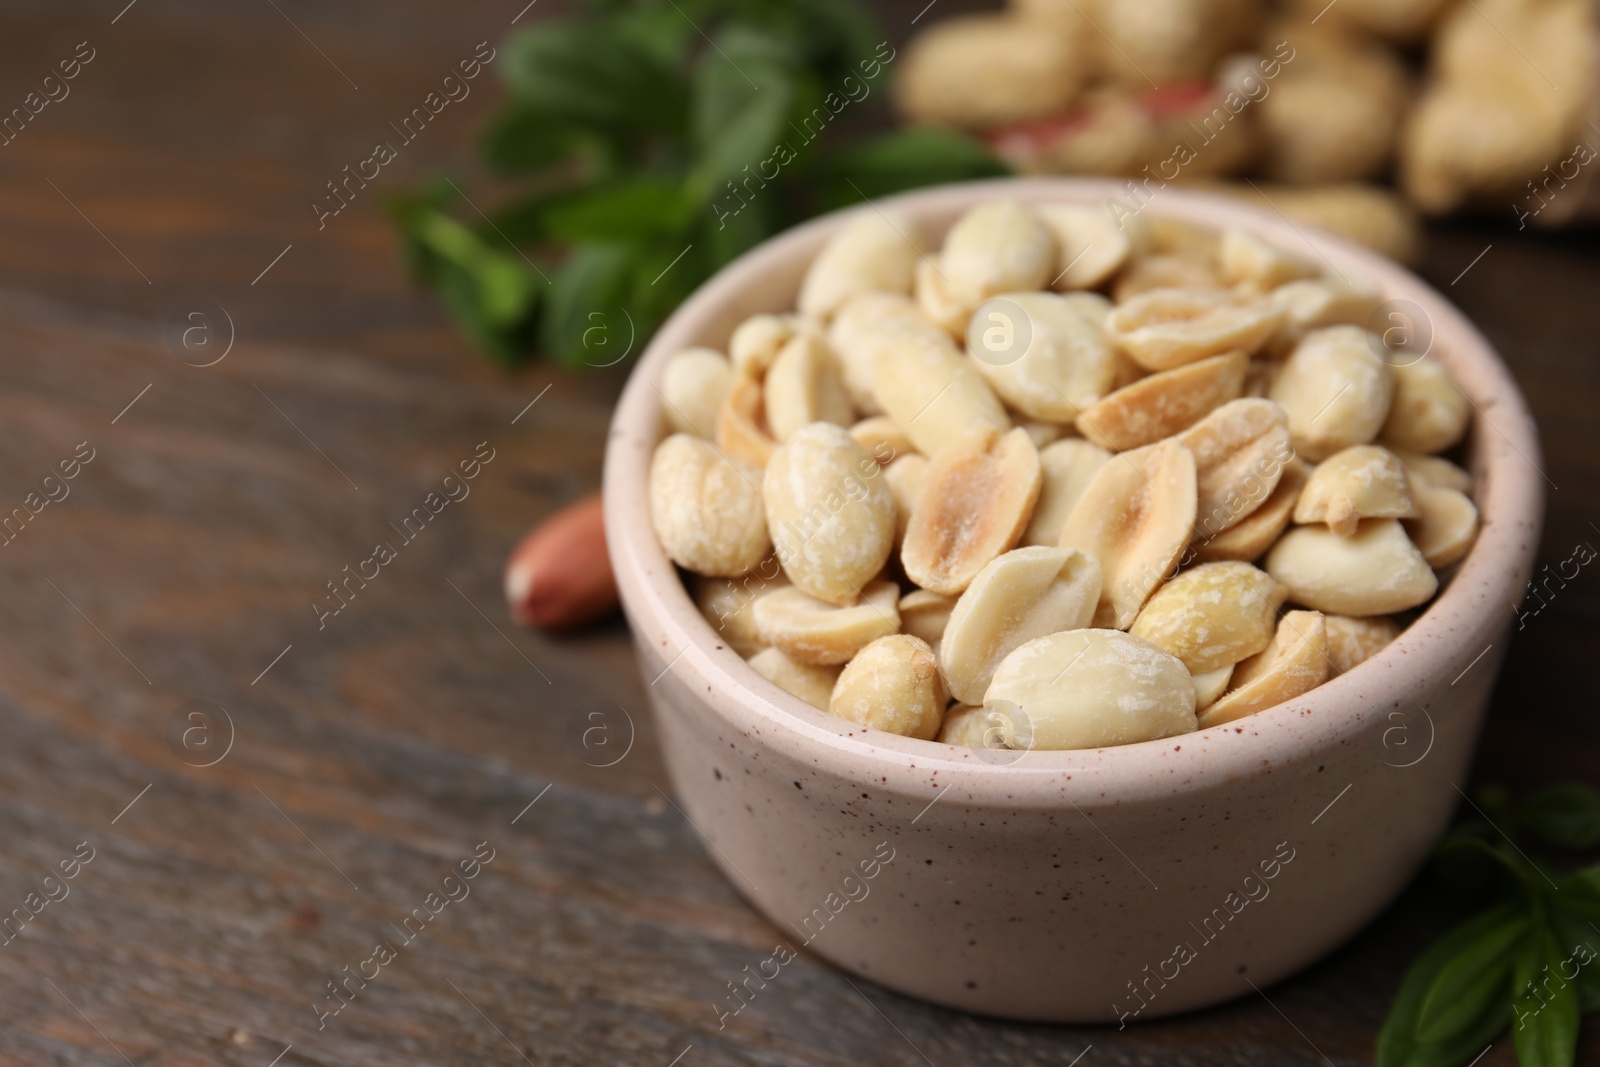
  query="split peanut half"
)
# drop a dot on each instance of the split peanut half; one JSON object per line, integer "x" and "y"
{"x": 1089, "y": 689}
{"x": 813, "y": 631}
{"x": 1135, "y": 517}
{"x": 974, "y": 500}
{"x": 1361, "y": 482}
{"x": 1024, "y": 594}
{"x": 1294, "y": 664}
{"x": 814, "y": 685}
{"x": 1164, "y": 403}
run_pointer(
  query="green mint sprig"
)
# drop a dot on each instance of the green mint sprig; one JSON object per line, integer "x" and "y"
{"x": 653, "y": 141}
{"x": 1531, "y": 961}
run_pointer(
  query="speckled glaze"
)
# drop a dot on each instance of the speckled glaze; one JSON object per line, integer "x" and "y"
{"x": 1123, "y": 883}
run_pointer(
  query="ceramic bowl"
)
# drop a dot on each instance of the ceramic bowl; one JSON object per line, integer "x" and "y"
{"x": 1120, "y": 883}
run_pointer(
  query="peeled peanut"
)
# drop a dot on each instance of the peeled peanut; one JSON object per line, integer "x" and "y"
{"x": 883, "y": 437}
{"x": 814, "y": 685}
{"x": 904, "y": 476}
{"x": 1213, "y": 615}
{"x": 726, "y": 604}
{"x": 1317, "y": 302}
{"x": 1378, "y": 571}
{"x": 559, "y": 576}
{"x": 975, "y": 498}
{"x": 1001, "y": 246}
{"x": 1023, "y": 594}
{"x": 1295, "y": 663}
{"x": 1428, "y": 413}
{"x": 1089, "y": 689}
{"x": 874, "y": 252}
{"x": 1246, "y": 260}
{"x": 693, "y": 386}
{"x": 1183, "y": 239}
{"x": 1066, "y": 468}
{"x": 1149, "y": 273}
{"x": 831, "y": 515}
{"x": 932, "y": 392}
{"x": 1240, "y": 451}
{"x": 893, "y": 685}
{"x": 757, "y": 340}
{"x": 1092, "y": 306}
{"x": 1354, "y": 641}
{"x": 937, "y": 303}
{"x": 1134, "y": 517}
{"x": 1210, "y": 685}
{"x": 706, "y": 510}
{"x": 863, "y": 327}
{"x": 742, "y": 431}
{"x": 984, "y": 70}
{"x": 1166, "y": 328}
{"x": 1362, "y": 482}
{"x": 803, "y": 386}
{"x": 1041, "y": 356}
{"x": 1435, "y": 471}
{"x": 1249, "y": 538}
{"x": 1164, "y": 403}
{"x": 1447, "y": 525}
{"x": 1092, "y": 246}
{"x": 925, "y": 614}
{"x": 1041, "y": 433}
{"x": 970, "y": 727}
{"x": 813, "y": 631}
{"x": 1335, "y": 391}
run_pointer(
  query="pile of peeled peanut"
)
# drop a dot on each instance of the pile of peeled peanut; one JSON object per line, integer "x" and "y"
{"x": 1464, "y": 103}
{"x": 1066, "y": 482}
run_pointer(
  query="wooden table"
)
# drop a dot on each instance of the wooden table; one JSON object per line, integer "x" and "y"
{"x": 160, "y": 616}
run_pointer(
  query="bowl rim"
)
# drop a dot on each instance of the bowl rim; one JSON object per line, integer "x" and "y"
{"x": 1504, "y": 456}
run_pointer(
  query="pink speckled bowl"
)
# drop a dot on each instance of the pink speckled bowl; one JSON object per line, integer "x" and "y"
{"x": 1125, "y": 882}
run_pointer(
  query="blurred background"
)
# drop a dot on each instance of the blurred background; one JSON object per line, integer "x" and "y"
{"x": 414, "y": 233}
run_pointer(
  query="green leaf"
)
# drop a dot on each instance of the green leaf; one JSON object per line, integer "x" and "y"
{"x": 745, "y": 92}
{"x": 1579, "y": 892}
{"x": 523, "y": 138}
{"x": 1469, "y": 1043}
{"x": 588, "y": 74}
{"x": 1397, "y": 1041}
{"x": 492, "y": 295}
{"x": 1566, "y": 815}
{"x": 591, "y": 290}
{"x": 637, "y": 209}
{"x": 907, "y": 159}
{"x": 1585, "y": 939}
{"x": 1470, "y": 980}
{"x": 1546, "y": 1002}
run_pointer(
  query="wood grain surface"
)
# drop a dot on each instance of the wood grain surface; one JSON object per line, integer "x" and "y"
{"x": 159, "y": 615}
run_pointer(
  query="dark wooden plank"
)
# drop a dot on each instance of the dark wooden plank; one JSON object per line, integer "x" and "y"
{"x": 381, "y": 749}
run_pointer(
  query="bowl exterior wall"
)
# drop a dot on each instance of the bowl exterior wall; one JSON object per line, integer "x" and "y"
{"x": 1089, "y": 913}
